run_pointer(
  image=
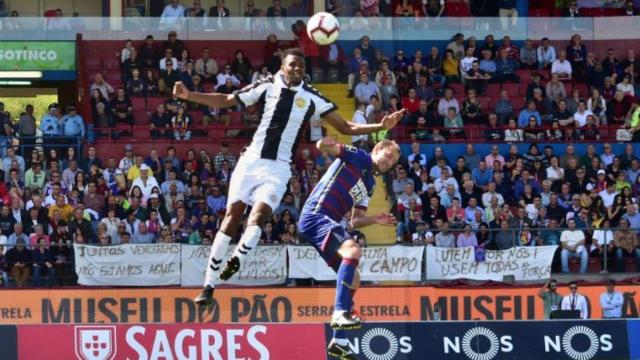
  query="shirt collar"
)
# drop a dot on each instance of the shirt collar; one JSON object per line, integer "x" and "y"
{"x": 280, "y": 81}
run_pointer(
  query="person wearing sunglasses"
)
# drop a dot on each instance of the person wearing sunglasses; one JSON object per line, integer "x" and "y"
{"x": 576, "y": 301}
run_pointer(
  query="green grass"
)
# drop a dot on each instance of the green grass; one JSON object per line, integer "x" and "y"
{"x": 16, "y": 105}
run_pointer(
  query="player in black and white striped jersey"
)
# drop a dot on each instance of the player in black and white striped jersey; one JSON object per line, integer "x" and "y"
{"x": 263, "y": 171}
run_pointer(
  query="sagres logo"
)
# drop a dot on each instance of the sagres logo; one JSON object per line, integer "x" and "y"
{"x": 381, "y": 344}
{"x": 478, "y": 343}
{"x": 579, "y": 342}
{"x": 95, "y": 342}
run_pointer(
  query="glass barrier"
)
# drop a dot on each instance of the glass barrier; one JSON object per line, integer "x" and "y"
{"x": 258, "y": 28}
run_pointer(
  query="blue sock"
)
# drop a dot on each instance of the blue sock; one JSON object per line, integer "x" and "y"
{"x": 340, "y": 335}
{"x": 344, "y": 295}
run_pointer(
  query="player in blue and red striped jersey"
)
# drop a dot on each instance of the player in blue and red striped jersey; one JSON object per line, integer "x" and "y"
{"x": 347, "y": 186}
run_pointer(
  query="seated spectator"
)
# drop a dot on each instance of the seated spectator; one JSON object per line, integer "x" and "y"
{"x": 276, "y": 10}
{"x": 528, "y": 56}
{"x": 590, "y": 131}
{"x": 488, "y": 65}
{"x": 543, "y": 105}
{"x": 625, "y": 244}
{"x": 135, "y": 86}
{"x": 180, "y": 124}
{"x": 506, "y": 67}
{"x": 168, "y": 57}
{"x": 453, "y": 124}
{"x": 152, "y": 87}
{"x": 186, "y": 75}
{"x": 168, "y": 78}
{"x": 596, "y": 76}
{"x": 598, "y": 106}
{"x": 172, "y": 13}
{"x": 19, "y": 261}
{"x": 447, "y": 102}
{"x": 546, "y": 54}
{"x": 226, "y": 73}
{"x": 387, "y": 91}
{"x": 133, "y": 62}
{"x": 562, "y": 67}
{"x": 407, "y": 206}
{"x": 206, "y": 66}
{"x": 159, "y": 123}
{"x": 466, "y": 237}
{"x": 424, "y": 91}
{"x": 433, "y": 64}
{"x": 467, "y": 61}
{"x": 573, "y": 245}
{"x": 555, "y": 89}
{"x": 525, "y": 114}
{"x": 472, "y": 109}
{"x": 513, "y": 53}
{"x": 406, "y": 8}
{"x": 122, "y": 108}
{"x": 451, "y": 67}
{"x": 619, "y": 108}
{"x": 43, "y": 260}
{"x": 504, "y": 109}
{"x": 580, "y": 116}
{"x": 629, "y": 9}
{"x": 98, "y": 83}
{"x": 457, "y": 46}
{"x": 476, "y": 78}
{"x": 400, "y": 181}
{"x": 241, "y": 67}
{"x": 571, "y": 9}
{"x": 626, "y": 86}
{"x": 365, "y": 89}
{"x": 332, "y": 57}
{"x": 512, "y": 133}
{"x": 415, "y": 72}
{"x": 102, "y": 120}
{"x": 410, "y": 102}
{"x": 445, "y": 238}
{"x": 609, "y": 88}
{"x": 532, "y": 131}
{"x": 493, "y": 132}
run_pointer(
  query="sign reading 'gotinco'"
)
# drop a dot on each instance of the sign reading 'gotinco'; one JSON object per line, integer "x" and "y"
{"x": 37, "y": 55}
{"x": 290, "y": 305}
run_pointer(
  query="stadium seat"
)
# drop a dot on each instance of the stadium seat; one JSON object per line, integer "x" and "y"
{"x": 518, "y": 103}
{"x": 493, "y": 90}
{"x": 141, "y": 117}
{"x": 93, "y": 63}
{"x": 539, "y": 12}
{"x": 525, "y": 76}
{"x": 458, "y": 89}
{"x": 235, "y": 118}
{"x": 196, "y": 118}
{"x": 112, "y": 77}
{"x": 138, "y": 103}
{"x": 458, "y": 10}
{"x": 153, "y": 102}
{"x": 512, "y": 89}
{"x": 111, "y": 63}
{"x": 583, "y": 88}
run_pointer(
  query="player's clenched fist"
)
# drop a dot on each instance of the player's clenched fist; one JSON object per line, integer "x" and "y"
{"x": 180, "y": 91}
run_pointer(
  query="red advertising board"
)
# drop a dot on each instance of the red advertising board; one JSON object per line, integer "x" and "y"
{"x": 172, "y": 341}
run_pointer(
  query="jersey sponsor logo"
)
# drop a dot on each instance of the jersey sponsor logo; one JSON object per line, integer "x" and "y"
{"x": 359, "y": 192}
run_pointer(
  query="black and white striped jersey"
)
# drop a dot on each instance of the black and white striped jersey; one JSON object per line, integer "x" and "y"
{"x": 284, "y": 113}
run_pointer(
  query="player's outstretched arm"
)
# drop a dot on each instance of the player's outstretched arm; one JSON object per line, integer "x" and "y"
{"x": 329, "y": 145}
{"x": 350, "y": 128}
{"x": 212, "y": 99}
{"x": 360, "y": 219}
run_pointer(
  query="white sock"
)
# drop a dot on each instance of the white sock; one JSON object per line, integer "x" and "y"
{"x": 218, "y": 251}
{"x": 338, "y": 313}
{"x": 248, "y": 241}
{"x": 341, "y": 342}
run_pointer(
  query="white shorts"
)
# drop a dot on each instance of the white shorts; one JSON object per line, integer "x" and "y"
{"x": 256, "y": 180}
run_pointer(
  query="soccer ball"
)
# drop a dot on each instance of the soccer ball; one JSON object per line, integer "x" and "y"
{"x": 323, "y": 28}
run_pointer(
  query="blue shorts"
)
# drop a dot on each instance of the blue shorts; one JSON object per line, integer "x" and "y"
{"x": 325, "y": 235}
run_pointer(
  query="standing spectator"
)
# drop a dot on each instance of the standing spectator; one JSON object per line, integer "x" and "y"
{"x": 43, "y": 261}
{"x": 27, "y": 129}
{"x": 508, "y": 13}
{"x": 223, "y": 155}
{"x": 73, "y": 124}
{"x": 172, "y": 13}
{"x": 611, "y": 302}
{"x": 19, "y": 261}
{"x": 577, "y": 54}
{"x": 573, "y": 245}
{"x": 576, "y": 301}
{"x": 276, "y": 10}
{"x": 149, "y": 53}
{"x": 551, "y": 300}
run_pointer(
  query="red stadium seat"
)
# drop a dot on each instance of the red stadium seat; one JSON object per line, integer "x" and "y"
{"x": 539, "y": 12}
{"x": 512, "y": 89}
{"x": 93, "y": 63}
{"x": 138, "y": 103}
{"x": 525, "y": 76}
{"x": 485, "y": 103}
{"x": 518, "y": 103}
{"x": 111, "y": 63}
{"x": 196, "y": 117}
{"x": 153, "y": 102}
{"x": 583, "y": 88}
{"x": 141, "y": 117}
{"x": 112, "y": 77}
{"x": 493, "y": 90}
{"x": 235, "y": 118}
{"x": 458, "y": 89}
{"x": 458, "y": 10}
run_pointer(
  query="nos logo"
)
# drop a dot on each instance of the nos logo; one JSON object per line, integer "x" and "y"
{"x": 381, "y": 344}
{"x": 478, "y": 343}
{"x": 578, "y": 343}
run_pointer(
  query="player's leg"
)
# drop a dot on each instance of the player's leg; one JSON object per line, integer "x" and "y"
{"x": 260, "y": 214}
{"x": 229, "y": 226}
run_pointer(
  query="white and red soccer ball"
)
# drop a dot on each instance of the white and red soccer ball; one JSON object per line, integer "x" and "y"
{"x": 323, "y": 28}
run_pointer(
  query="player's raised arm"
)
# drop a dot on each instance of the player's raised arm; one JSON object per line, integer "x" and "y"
{"x": 360, "y": 219}
{"x": 212, "y": 99}
{"x": 349, "y": 128}
{"x": 329, "y": 145}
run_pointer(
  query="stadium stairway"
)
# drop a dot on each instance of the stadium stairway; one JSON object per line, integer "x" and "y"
{"x": 376, "y": 234}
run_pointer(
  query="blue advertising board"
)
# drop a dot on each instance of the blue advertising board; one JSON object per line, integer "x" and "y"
{"x": 9, "y": 342}
{"x": 492, "y": 340}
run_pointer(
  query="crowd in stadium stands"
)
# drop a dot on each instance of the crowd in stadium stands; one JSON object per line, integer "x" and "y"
{"x": 52, "y": 198}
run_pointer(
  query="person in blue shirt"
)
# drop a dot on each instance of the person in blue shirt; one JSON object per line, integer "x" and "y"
{"x": 525, "y": 114}
{"x": 72, "y": 123}
{"x": 506, "y": 68}
{"x": 345, "y": 188}
{"x": 518, "y": 187}
{"x": 49, "y": 124}
{"x": 482, "y": 175}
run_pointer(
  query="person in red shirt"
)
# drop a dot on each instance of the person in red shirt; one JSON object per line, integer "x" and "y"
{"x": 512, "y": 51}
{"x": 411, "y": 102}
{"x": 309, "y": 48}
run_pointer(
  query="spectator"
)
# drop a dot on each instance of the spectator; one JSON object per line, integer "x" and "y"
{"x": 451, "y": 67}
{"x": 365, "y": 89}
{"x": 332, "y": 57}
{"x": 551, "y": 300}
{"x": 555, "y": 89}
{"x": 466, "y": 238}
{"x": 172, "y": 13}
{"x": 43, "y": 261}
{"x": 476, "y": 78}
{"x": 122, "y": 108}
{"x": 241, "y": 67}
{"x": 206, "y": 67}
{"x": 159, "y": 123}
{"x": 168, "y": 78}
{"x": 576, "y": 301}
{"x": 149, "y": 53}
{"x": 629, "y": 9}
{"x": 506, "y": 67}
{"x": 168, "y": 58}
{"x": 488, "y": 65}
{"x": 226, "y": 73}
{"x": 467, "y": 61}
{"x": 581, "y": 115}
{"x": 72, "y": 123}
{"x": 219, "y": 11}
{"x": 457, "y": 46}
{"x": 562, "y": 67}
{"x": 577, "y": 54}
{"x": 276, "y": 10}
{"x": 453, "y": 123}
{"x": 297, "y": 9}
{"x": 626, "y": 86}
{"x": 135, "y": 86}
{"x": 528, "y": 112}
{"x": 98, "y": 83}
{"x": 546, "y": 54}
{"x": 180, "y": 124}
{"x": 433, "y": 64}
{"x": 152, "y": 87}
{"x": 445, "y": 238}
{"x": 143, "y": 236}
{"x": 507, "y": 9}
{"x": 625, "y": 243}
{"x": 19, "y": 261}
{"x": 528, "y": 56}
{"x": 573, "y": 245}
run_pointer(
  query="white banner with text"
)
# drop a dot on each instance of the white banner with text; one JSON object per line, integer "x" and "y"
{"x": 128, "y": 264}
{"x": 523, "y": 263}
{"x": 378, "y": 263}
{"x": 266, "y": 265}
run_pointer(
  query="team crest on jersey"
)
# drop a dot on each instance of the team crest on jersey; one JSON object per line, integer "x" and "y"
{"x": 301, "y": 102}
